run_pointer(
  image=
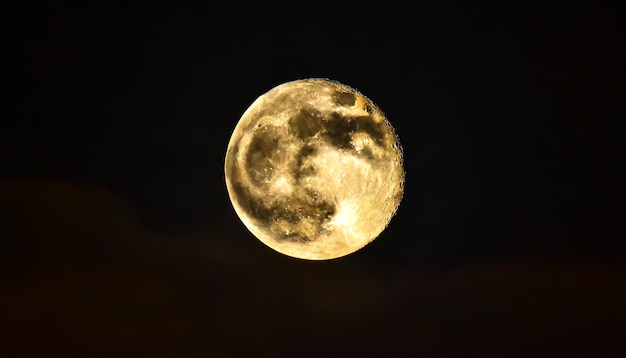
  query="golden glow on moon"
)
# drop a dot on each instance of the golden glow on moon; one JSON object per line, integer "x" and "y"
{"x": 314, "y": 169}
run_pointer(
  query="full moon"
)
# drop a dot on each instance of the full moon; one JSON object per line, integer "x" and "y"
{"x": 314, "y": 169}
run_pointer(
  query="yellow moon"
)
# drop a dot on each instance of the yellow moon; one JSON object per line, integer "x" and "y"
{"x": 314, "y": 169}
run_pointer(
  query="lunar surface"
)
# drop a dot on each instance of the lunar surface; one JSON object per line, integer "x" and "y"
{"x": 314, "y": 169}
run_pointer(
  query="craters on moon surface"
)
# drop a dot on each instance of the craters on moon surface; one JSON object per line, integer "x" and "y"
{"x": 314, "y": 169}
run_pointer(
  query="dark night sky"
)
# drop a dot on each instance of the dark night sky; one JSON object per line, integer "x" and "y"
{"x": 117, "y": 237}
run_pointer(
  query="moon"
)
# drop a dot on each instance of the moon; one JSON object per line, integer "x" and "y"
{"x": 314, "y": 169}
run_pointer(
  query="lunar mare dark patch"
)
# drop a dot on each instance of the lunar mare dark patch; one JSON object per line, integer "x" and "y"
{"x": 299, "y": 217}
{"x": 305, "y": 124}
{"x": 340, "y": 129}
{"x": 288, "y": 213}
{"x": 367, "y": 153}
{"x": 305, "y": 222}
{"x": 344, "y": 98}
{"x": 302, "y": 169}
{"x": 258, "y": 163}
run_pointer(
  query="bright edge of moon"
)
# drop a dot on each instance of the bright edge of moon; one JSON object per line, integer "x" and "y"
{"x": 314, "y": 169}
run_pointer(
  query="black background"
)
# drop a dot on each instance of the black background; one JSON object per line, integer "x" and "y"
{"x": 117, "y": 237}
